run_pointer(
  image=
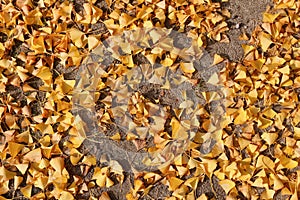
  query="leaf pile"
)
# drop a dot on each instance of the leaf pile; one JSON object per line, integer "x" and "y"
{"x": 42, "y": 44}
{"x": 118, "y": 88}
{"x": 262, "y": 138}
{"x": 44, "y": 41}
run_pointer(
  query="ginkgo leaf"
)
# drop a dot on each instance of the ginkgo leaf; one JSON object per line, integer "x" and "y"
{"x": 217, "y": 59}
{"x": 104, "y": 196}
{"x": 227, "y": 185}
{"x": 26, "y": 191}
{"x": 265, "y": 41}
{"x": 22, "y": 167}
{"x": 269, "y": 18}
{"x": 34, "y": 155}
{"x": 14, "y": 148}
{"x": 175, "y": 183}
{"x": 242, "y": 117}
{"x": 44, "y": 73}
{"x": 187, "y": 67}
{"x": 287, "y": 162}
{"x": 270, "y": 138}
{"x": 66, "y": 196}
{"x": 57, "y": 163}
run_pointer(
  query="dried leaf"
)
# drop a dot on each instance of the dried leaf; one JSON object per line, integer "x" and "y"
{"x": 227, "y": 185}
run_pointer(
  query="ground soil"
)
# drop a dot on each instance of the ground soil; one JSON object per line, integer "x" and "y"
{"x": 245, "y": 16}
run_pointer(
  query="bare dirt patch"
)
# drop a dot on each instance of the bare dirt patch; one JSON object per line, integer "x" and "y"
{"x": 245, "y": 16}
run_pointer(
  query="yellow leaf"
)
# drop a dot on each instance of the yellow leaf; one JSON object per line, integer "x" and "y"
{"x": 109, "y": 182}
{"x": 57, "y": 163}
{"x": 270, "y": 18}
{"x": 217, "y": 59}
{"x": 37, "y": 44}
{"x": 155, "y": 36}
{"x": 138, "y": 184}
{"x": 192, "y": 182}
{"x": 175, "y": 183}
{"x": 178, "y": 131}
{"x": 267, "y": 162}
{"x": 14, "y": 148}
{"x": 270, "y": 113}
{"x": 161, "y": 4}
{"x": 3, "y": 189}
{"x": 227, "y": 185}
{"x": 258, "y": 183}
{"x": 243, "y": 143}
{"x": 277, "y": 182}
{"x": 89, "y": 160}
{"x": 26, "y": 191}
{"x": 242, "y": 117}
{"x": 264, "y": 162}
{"x": 45, "y": 128}
{"x": 187, "y": 67}
{"x": 270, "y": 138}
{"x": 67, "y": 86}
{"x": 202, "y": 197}
{"x": 44, "y": 73}
{"x": 66, "y": 196}
{"x": 214, "y": 79}
{"x": 104, "y": 196}
{"x": 22, "y": 168}
{"x": 116, "y": 136}
{"x": 287, "y": 162}
{"x": 6, "y": 174}
{"x": 209, "y": 166}
{"x": 125, "y": 20}
{"x": 264, "y": 122}
{"x": 92, "y": 42}
{"x": 168, "y": 62}
{"x": 34, "y": 155}
{"x": 75, "y": 156}
{"x": 265, "y": 41}
{"x": 41, "y": 182}
{"x": 77, "y": 37}
{"x": 17, "y": 181}
{"x": 284, "y": 70}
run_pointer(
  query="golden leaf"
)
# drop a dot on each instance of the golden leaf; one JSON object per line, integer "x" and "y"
{"x": 175, "y": 183}
{"x": 227, "y": 185}
{"x": 192, "y": 182}
{"x": 77, "y": 37}
{"x": 26, "y": 191}
{"x": 270, "y": 138}
{"x": 14, "y": 148}
{"x": 242, "y": 117}
{"x": 265, "y": 41}
{"x": 264, "y": 122}
{"x": 104, "y": 196}
{"x": 6, "y": 174}
{"x": 4, "y": 188}
{"x": 270, "y": 18}
{"x": 57, "y": 163}
{"x": 217, "y": 59}
{"x": 22, "y": 168}
{"x": 17, "y": 181}
{"x": 93, "y": 42}
{"x": 66, "y": 196}
{"x": 44, "y": 73}
{"x": 287, "y": 162}
{"x": 187, "y": 67}
{"x": 34, "y": 155}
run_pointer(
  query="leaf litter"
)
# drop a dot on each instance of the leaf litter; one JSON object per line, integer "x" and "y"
{"x": 256, "y": 154}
